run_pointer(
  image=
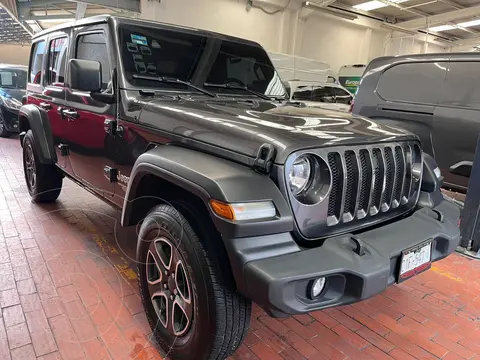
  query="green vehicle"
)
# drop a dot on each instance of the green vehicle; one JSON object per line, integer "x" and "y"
{"x": 350, "y": 76}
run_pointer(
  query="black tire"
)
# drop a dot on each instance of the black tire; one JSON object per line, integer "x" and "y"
{"x": 220, "y": 315}
{"x": 47, "y": 180}
{"x": 3, "y": 131}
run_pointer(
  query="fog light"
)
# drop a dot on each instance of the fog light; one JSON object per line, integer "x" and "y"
{"x": 317, "y": 287}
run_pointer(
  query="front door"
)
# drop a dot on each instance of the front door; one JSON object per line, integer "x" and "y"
{"x": 88, "y": 142}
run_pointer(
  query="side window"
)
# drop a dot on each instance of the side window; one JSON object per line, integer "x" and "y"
{"x": 419, "y": 83}
{"x": 342, "y": 96}
{"x": 303, "y": 93}
{"x": 94, "y": 47}
{"x": 57, "y": 58}
{"x": 323, "y": 94}
{"x": 36, "y": 61}
{"x": 462, "y": 87}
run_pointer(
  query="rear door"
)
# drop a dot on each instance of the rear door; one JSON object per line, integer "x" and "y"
{"x": 46, "y": 83}
{"x": 407, "y": 95}
{"x": 457, "y": 119}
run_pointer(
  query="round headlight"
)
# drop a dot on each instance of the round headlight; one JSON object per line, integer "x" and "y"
{"x": 299, "y": 175}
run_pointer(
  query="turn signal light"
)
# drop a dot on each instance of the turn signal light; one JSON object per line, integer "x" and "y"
{"x": 222, "y": 209}
{"x": 260, "y": 210}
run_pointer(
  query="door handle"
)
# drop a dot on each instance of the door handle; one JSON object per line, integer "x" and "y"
{"x": 45, "y": 106}
{"x": 70, "y": 113}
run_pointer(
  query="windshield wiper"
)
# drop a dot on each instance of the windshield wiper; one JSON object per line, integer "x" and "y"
{"x": 238, "y": 87}
{"x": 168, "y": 80}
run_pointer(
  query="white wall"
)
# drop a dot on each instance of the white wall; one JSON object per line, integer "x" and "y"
{"x": 321, "y": 37}
{"x": 224, "y": 16}
{"x": 340, "y": 42}
{"x": 405, "y": 44}
{"x": 14, "y": 54}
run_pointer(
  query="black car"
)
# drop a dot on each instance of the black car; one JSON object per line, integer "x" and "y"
{"x": 13, "y": 81}
{"x": 241, "y": 195}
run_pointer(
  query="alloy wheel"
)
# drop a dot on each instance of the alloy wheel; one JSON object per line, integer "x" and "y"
{"x": 30, "y": 169}
{"x": 169, "y": 286}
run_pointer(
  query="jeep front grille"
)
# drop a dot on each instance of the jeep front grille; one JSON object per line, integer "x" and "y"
{"x": 368, "y": 182}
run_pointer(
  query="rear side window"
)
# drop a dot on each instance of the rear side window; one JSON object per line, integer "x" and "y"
{"x": 57, "y": 58}
{"x": 94, "y": 47}
{"x": 462, "y": 85}
{"x": 342, "y": 96}
{"x": 303, "y": 93}
{"x": 36, "y": 61}
{"x": 419, "y": 83}
{"x": 323, "y": 94}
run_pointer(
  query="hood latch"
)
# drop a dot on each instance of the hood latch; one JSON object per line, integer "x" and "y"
{"x": 264, "y": 160}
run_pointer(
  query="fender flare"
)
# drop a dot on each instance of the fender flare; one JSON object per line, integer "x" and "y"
{"x": 38, "y": 122}
{"x": 209, "y": 177}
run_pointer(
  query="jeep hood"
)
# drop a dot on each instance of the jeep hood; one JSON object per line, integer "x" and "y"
{"x": 13, "y": 93}
{"x": 243, "y": 126}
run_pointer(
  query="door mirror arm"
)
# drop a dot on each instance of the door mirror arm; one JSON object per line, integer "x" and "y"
{"x": 102, "y": 97}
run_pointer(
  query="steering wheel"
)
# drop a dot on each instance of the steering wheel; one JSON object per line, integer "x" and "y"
{"x": 234, "y": 81}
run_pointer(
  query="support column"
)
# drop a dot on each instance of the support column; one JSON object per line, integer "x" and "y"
{"x": 365, "y": 49}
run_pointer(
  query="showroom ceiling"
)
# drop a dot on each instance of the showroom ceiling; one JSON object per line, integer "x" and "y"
{"x": 19, "y": 19}
{"x": 454, "y": 19}
{"x": 11, "y": 31}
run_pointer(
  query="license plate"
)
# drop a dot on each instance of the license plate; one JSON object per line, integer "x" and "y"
{"x": 415, "y": 260}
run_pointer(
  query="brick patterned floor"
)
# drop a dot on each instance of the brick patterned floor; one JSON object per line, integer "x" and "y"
{"x": 68, "y": 291}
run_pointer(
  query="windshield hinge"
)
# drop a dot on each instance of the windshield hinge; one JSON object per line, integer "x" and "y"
{"x": 264, "y": 160}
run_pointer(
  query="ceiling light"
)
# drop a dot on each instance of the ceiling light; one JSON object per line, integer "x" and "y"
{"x": 470, "y": 23}
{"x": 375, "y": 4}
{"x": 442, "y": 28}
{"x": 371, "y": 5}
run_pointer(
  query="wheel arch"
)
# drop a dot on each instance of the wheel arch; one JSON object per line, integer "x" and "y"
{"x": 32, "y": 118}
{"x": 172, "y": 173}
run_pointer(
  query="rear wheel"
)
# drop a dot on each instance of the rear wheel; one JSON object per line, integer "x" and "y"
{"x": 44, "y": 181}
{"x": 191, "y": 305}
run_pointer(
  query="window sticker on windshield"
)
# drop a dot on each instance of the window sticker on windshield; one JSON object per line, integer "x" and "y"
{"x": 138, "y": 39}
{"x": 145, "y": 50}
{"x": 152, "y": 69}
{"x": 6, "y": 78}
{"x": 132, "y": 48}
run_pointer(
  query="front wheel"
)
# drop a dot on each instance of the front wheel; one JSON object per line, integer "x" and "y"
{"x": 3, "y": 131}
{"x": 191, "y": 305}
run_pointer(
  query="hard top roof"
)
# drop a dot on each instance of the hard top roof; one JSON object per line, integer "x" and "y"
{"x": 13, "y": 67}
{"x": 138, "y": 22}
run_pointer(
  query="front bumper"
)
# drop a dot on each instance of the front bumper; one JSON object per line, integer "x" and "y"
{"x": 10, "y": 118}
{"x": 275, "y": 272}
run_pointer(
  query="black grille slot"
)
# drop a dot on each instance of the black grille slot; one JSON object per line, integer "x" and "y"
{"x": 399, "y": 176}
{"x": 408, "y": 178}
{"x": 378, "y": 173}
{"x": 366, "y": 185}
{"x": 352, "y": 183}
{"x": 389, "y": 178}
{"x": 335, "y": 199}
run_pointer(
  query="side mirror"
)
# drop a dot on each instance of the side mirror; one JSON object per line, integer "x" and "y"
{"x": 85, "y": 75}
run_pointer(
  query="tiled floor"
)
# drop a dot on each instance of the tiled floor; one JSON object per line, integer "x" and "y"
{"x": 68, "y": 291}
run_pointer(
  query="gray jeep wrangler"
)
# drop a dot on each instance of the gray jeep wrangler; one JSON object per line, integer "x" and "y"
{"x": 240, "y": 194}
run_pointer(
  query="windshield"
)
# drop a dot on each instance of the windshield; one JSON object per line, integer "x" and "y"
{"x": 197, "y": 59}
{"x": 13, "y": 78}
